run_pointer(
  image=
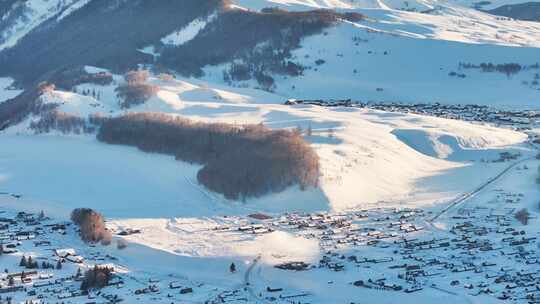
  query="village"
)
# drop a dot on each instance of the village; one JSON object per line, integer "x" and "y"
{"x": 477, "y": 247}
{"x": 519, "y": 119}
{"x": 43, "y": 261}
{"x": 485, "y": 251}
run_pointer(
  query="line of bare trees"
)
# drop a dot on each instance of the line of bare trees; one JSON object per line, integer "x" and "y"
{"x": 240, "y": 161}
{"x": 505, "y": 68}
{"x": 17, "y": 109}
{"x": 66, "y": 123}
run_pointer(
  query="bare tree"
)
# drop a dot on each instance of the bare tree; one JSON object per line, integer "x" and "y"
{"x": 522, "y": 216}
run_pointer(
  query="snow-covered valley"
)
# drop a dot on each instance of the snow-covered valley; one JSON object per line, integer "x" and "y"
{"x": 371, "y": 160}
{"x": 423, "y": 115}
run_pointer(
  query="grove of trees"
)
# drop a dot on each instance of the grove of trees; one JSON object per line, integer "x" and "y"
{"x": 522, "y": 216}
{"x": 92, "y": 226}
{"x": 64, "y": 122}
{"x": 136, "y": 90}
{"x": 97, "y": 277}
{"x": 239, "y": 161}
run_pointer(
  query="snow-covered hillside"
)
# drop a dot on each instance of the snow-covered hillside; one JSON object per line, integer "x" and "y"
{"x": 408, "y": 51}
{"x": 370, "y": 160}
{"x": 366, "y": 156}
{"x": 29, "y": 14}
{"x": 394, "y": 188}
{"x": 415, "y": 57}
{"x": 418, "y": 5}
{"x": 6, "y": 89}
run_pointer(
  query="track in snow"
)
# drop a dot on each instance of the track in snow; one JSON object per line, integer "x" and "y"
{"x": 466, "y": 196}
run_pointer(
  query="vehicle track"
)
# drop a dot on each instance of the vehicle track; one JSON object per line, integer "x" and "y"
{"x": 468, "y": 195}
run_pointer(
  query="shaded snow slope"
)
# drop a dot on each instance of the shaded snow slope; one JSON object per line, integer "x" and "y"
{"x": 29, "y": 15}
{"x": 6, "y": 91}
{"x": 450, "y": 146}
{"x": 119, "y": 181}
{"x": 397, "y": 54}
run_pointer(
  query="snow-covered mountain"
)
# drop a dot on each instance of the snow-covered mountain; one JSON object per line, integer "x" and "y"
{"x": 392, "y": 183}
{"x": 390, "y": 50}
{"x": 241, "y": 60}
{"x": 19, "y": 17}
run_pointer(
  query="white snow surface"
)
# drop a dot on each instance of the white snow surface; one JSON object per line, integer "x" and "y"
{"x": 6, "y": 90}
{"x": 189, "y": 32}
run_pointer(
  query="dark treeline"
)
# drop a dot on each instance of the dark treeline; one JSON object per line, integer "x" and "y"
{"x": 97, "y": 277}
{"x": 64, "y": 122}
{"x": 10, "y": 12}
{"x": 68, "y": 78}
{"x": 262, "y": 41}
{"x": 15, "y": 110}
{"x": 6, "y": 5}
{"x": 240, "y": 161}
{"x": 505, "y": 68}
{"x": 109, "y": 34}
{"x": 529, "y": 11}
{"x": 102, "y": 33}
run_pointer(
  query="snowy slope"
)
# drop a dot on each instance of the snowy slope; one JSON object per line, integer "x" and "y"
{"x": 30, "y": 14}
{"x": 369, "y": 159}
{"x": 397, "y": 54}
{"x": 418, "y": 5}
{"x": 6, "y": 91}
{"x": 366, "y": 156}
{"x": 410, "y": 57}
{"x": 189, "y": 32}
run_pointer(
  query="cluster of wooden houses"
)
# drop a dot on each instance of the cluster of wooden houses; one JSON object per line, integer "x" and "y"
{"x": 55, "y": 274}
{"x": 520, "y": 119}
{"x": 484, "y": 251}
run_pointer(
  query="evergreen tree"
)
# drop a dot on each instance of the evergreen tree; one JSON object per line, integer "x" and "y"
{"x": 59, "y": 265}
{"x": 232, "y": 268}
{"x": 23, "y": 262}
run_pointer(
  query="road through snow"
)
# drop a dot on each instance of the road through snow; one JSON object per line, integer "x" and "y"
{"x": 466, "y": 196}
